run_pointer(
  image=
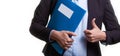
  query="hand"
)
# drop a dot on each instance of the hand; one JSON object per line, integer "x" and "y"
{"x": 62, "y": 37}
{"x": 95, "y": 34}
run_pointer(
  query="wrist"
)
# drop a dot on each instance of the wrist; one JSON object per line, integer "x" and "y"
{"x": 103, "y": 36}
{"x": 53, "y": 35}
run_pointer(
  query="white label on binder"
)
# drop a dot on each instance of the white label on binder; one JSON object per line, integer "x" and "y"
{"x": 65, "y": 10}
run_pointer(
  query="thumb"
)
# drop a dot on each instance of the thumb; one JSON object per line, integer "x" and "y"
{"x": 93, "y": 23}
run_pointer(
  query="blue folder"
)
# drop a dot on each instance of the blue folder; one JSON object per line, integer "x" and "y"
{"x": 60, "y": 21}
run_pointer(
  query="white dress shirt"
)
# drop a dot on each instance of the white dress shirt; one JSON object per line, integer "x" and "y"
{"x": 78, "y": 47}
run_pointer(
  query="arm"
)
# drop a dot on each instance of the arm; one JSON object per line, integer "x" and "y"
{"x": 111, "y": 24}
{"x": 40, "y": 19}
{"x": 39, "y": 30}
{"x": 112, "y": 33}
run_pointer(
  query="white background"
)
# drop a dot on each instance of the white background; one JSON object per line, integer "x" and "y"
{"x": 15, "y": 39}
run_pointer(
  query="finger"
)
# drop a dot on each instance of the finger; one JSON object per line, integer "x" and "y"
{"x": 69, "y": 40}
{"x": 91, "y": 40}
{"x": 66, "y": 48}
{"x": 68, "y": 43}
{"x": 88, "y": 39}
{"x": 87, "y": 31}
{"x": 94, "y": 40}
{"x": 93, "y": 23}
{"x": 91, "y": 36}
{"x": 70, "y": 33}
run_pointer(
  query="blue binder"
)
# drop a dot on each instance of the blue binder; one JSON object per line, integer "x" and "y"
{"x": 60, "y": 21}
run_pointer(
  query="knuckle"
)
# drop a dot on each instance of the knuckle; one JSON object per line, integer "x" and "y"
{"x": 92, "y": 41}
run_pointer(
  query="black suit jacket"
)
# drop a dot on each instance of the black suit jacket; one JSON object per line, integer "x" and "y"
{"x": 99, "y": 9}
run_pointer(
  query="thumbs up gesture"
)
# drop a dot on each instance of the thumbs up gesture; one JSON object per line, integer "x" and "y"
{"x": 95, "y": 34}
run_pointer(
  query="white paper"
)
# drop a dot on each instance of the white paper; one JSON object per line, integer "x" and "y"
{"x": 65, "y": 10}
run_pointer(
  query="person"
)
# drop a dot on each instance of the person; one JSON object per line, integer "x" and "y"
{"x": 97, "y": 12}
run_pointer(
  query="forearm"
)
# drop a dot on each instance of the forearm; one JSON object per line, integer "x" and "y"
{"x": 111, "y": 24}
{"x": 112, "y": 37}
{"x": 40, "y": 32}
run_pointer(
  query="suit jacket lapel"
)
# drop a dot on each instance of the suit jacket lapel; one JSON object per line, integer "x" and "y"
{"x": 91, "y": 12}
{"x": 92, "y": 48}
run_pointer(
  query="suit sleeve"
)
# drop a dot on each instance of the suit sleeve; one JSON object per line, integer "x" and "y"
{"x": 111, "y": 24}
{"x": 38, "y": 26}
